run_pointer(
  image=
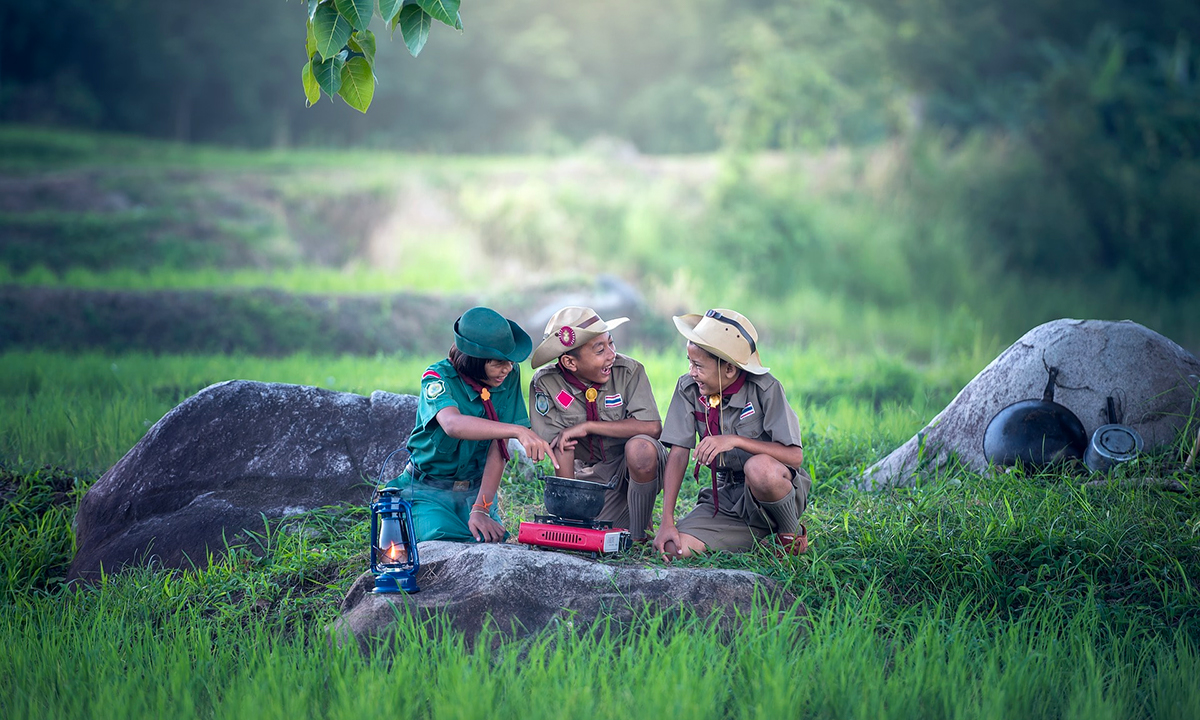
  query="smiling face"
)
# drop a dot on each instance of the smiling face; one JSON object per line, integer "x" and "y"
{"x": 496, "y": 372}
{"x": 593, "y": 360}
{"x": 710, "y": 374}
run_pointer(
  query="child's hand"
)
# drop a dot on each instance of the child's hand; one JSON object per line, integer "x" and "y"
{"x": 535, "y": 447}
{"x": 710, "y": 447}
{"x": 484, "y": 529}
{"x": 667, "y": 542}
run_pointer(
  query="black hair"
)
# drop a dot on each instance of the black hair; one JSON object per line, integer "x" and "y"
{"x": 469, "y": 365}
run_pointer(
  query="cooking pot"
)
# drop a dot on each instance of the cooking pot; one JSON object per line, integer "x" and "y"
{"x": 1112, "y": 443}
{"x": 573, "y": 499}
{"x": 1035, "y": 432}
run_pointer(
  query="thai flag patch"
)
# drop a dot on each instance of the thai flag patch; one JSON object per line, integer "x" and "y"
{"x": 747, "y": 411}
{"x": 564, "y": 398}
{"x": 611, "y": 401}
{"x": 431, "y": 374}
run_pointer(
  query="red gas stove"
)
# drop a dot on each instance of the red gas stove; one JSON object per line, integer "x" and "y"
{"x": 588, "y": 536}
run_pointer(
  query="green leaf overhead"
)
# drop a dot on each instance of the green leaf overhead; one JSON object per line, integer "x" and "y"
{"x": 389, "y": 8}
{"x": 329, "y": 74}
{"x": 363, "y": 42}
{"x": 358, "y": 84}
{"x": 312, "y": 89}
{"x": 331, "y": 29}
{"x": 414, "y": 27}
{"x": 444, "y": 11}
{"x": 312, "y": 8}
{"x": 358, "y": 12}
{"x": 310, "y": 42}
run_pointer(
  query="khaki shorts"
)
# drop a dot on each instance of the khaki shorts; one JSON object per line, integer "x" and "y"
{"x": 741, "y": 521}
{"x": 616, "y": 473}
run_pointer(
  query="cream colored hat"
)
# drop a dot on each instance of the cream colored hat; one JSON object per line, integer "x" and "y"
{"x": 726, "y": 334}
{"x": 568, "y": 329}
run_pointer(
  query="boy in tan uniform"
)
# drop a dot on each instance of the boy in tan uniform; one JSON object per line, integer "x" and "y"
{"x": 749, "y": 439}
{"x": 596, "y": 409}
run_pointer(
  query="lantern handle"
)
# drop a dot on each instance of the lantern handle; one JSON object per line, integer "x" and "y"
{"x": 379, "y": 483}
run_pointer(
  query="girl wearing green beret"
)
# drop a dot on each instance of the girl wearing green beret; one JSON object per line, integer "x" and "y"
{"x": 470, "y": 405}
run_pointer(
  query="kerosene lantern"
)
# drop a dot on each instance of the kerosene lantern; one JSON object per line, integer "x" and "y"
{"x": 393, "y": 543}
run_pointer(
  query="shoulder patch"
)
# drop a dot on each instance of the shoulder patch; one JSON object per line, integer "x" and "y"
{"x": 435, "y": 388}
{"x": 541, "y": 403}
{"x": 431, "y": 374}
{"x": 564, "y": 398}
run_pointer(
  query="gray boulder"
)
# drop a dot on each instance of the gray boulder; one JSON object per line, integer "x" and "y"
{"x": 1152, "y": 380}
{"x": 521, "y": 590}
{"x": 229, "y": 455}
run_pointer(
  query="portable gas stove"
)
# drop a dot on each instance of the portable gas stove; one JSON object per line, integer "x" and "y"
{"x": 588, "y": 536}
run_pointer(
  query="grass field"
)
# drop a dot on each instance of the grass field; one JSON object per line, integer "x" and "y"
{"x": 968, "y": 596}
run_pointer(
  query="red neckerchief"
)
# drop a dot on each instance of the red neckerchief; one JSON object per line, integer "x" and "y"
{"x": 590, "y": 395}
{"x": 488, "y": 409}
{"x": 711, "y": 417}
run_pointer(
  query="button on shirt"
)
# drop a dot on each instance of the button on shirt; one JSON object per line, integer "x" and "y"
{"x": 436, "y": 453}
{"x": 554, "y": 406}
{"x": 758, "y": 411}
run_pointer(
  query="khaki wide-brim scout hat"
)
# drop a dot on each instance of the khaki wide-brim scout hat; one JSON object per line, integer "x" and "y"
{"x": 569, "y": 328}
{"x": 726, "y": 334}
{"x": 484, "y": 333}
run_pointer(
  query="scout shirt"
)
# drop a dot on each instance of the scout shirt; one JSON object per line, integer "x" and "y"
{"x": 554, "y": 405}
{"x": 758, "y": 410}
{"x": 437, "y": 454}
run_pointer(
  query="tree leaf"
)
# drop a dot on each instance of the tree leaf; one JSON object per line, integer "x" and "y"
{"x": 444, "y": 11}
{"x": 312, "y": 89}
{"x": 389, "y": 8}
{"x": 310, "y": 42}
{"x": 312, "y": 8}
{"x": 358, "y": 12}
{"x": 363, "y": 42}
{"x": 331, "y": 30}
{"x": 358, "y": 84}
{"x": 329, "y": 74}
{"x": 414, "y": 28}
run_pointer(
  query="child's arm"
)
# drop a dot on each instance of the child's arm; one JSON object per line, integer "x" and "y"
{"x": 668, "y": 534}
{"x": 469, "y": 427}
{"x": 710, "y": 448}
{"x": 481, "y": 524}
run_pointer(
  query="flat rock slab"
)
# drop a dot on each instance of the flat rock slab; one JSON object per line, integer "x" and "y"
{"x": 1152, "y": 379}
{"x": 521, "y": 590}
{"x": 229, "y": 456}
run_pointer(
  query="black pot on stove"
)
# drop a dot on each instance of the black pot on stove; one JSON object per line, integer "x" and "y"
{"x": 1035, "y": 433}
{"x": 573, "y": 499}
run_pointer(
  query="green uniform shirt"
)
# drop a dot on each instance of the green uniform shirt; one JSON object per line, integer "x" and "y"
{"x": 437, "y": 454}
{"x": 758, "y": 410}
{"x": 555, "y": 406}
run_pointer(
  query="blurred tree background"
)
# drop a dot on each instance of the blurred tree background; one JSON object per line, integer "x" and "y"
{"x": 1011, "y": 163}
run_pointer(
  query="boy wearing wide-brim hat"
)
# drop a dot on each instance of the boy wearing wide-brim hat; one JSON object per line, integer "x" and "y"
{"x": 749, "y": 439}
{"x": 597, "y": 409}
{"x": 470, "y": 405}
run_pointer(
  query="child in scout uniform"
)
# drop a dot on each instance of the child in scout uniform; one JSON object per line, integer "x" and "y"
{"x": 749, "y": 439}
{"x": 596, "y": 408}
{"x": 470, "y": 405}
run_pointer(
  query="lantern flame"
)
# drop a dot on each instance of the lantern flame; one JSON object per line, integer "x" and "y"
{"x": 397, "y": 553}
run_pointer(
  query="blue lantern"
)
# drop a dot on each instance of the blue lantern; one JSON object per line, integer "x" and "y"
{"x": 393, "y": 543}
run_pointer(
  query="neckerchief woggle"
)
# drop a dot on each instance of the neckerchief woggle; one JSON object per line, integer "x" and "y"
{"x": 488, "y": 409}
{"x": 711, "y": 417}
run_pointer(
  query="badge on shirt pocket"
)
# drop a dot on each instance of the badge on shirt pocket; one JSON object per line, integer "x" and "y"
{"x": 613, "y": 401}
{"x": 541, "y": 403}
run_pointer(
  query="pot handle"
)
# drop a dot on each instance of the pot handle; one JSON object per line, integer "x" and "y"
{"x": 1048, "y": 395}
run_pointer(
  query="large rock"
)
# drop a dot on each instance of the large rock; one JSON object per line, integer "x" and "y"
{"x": 1153, "y": 381}
{"x": 521, "y": 590}
{"x": 229, "y": 455}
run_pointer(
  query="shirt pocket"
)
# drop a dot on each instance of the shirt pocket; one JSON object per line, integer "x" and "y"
{"x": 750, "y": 421}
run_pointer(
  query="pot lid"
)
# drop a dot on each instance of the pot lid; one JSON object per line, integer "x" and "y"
{"x": 1117, "y": 442}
